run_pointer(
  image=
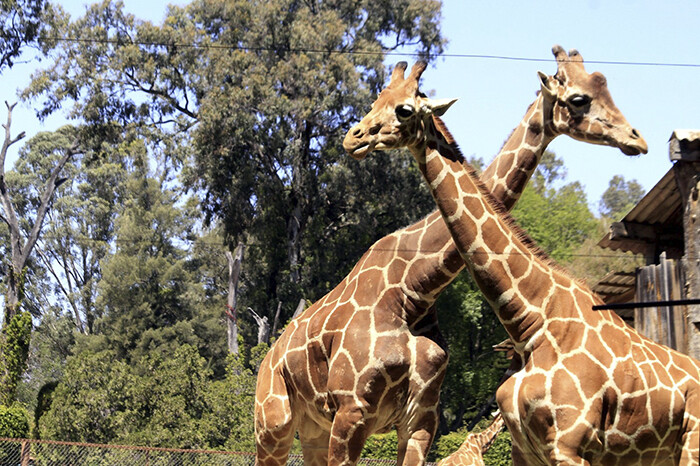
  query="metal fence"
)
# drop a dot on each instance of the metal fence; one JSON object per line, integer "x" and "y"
{"x": 25, "y": 452}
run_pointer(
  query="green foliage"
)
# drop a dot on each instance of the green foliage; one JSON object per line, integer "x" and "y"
{"x": 264, "y": 121}
{"x": 474, "y": 369}
{"x": 157, "y": 401}
{"x": 169, "y": 400}
{"x": 447, "y": 444}
{"x": 500, "y": 452}
{"x": 558, "y": 220}
{"x": 22, "y": 22}
{"x": 232, "y": 401}
{"x": 14, "y": 421}
{"x": 144, "y": 291}
{"x": 14, "y": 349}
{"x": 44, "y": 400}
{"x": 381, "y": 446}
{"x": 620, "y": 197}
{"x": 93, "y": 402}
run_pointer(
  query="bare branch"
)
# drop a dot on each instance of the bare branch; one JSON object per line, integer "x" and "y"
{"x": 66, "y": 292}
{"x": 46, "y": 196}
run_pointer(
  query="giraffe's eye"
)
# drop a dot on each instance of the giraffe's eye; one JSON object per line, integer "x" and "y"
{"x": 404, "y": 112}
{"x": 579, "y": 101}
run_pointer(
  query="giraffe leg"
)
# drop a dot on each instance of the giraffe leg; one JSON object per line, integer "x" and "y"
{"x": 690, "y": 455}
{"x": 418, "y": 438}
{"x": 348, "y": 435}
{"x": 517, "y": 456}
{"x": 314, "y": 443}
{"x": 274, "y": 426}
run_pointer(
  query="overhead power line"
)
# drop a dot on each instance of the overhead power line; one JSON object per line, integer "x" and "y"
{"x": 359, "y": 52}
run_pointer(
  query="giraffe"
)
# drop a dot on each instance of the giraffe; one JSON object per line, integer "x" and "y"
{"x": 471, "y": 452}
{"x": 400, "y": 277}
{"x": 591, "y": 389}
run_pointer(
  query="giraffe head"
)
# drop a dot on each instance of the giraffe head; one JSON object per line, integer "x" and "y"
{"x": 581, "y": 106}
{"x": 397, "y": 118}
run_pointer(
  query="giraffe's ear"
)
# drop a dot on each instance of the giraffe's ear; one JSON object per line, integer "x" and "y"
{"x": 437, "y": 107}
{"x": 547, "y": 84}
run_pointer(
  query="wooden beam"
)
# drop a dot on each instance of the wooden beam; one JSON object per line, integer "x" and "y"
{"x": 687, "y": 173}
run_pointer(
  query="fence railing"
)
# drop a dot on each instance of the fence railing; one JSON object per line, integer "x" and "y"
{"x": 27, "y": 452}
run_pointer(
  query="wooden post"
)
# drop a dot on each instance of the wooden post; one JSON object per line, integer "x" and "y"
{"x": 663, "y": 324}
{"x": 684, "y": 151}
{"x": 25, "y": 456}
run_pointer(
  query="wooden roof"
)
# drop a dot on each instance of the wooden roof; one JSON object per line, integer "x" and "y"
{"x": 655, "y": 224}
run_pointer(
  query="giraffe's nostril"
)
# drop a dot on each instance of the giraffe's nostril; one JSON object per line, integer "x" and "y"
{"x": 357, "y": 132}
{"x": 375, "y": 129}
{"x": 635, "y": 134}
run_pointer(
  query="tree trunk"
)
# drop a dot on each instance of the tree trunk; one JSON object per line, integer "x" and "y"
{"x": 234, "y": 270}
{"x": 263, "y": 325}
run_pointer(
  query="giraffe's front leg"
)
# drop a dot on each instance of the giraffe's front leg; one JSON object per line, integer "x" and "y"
{"x": 690, "y": 440}
{"x": 414, "y": 445}
{"x": 274, "y": 426}
{"x": 349, "y": 432}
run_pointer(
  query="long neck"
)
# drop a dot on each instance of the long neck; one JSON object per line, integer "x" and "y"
{"x": 486, "y": 437}
{"x": 506, "y": 178}
{"x": 509, "y": 273}
{"x": 508, "y": 174}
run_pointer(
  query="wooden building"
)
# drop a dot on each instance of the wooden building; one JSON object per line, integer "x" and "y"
{"x": 664, "y": 227}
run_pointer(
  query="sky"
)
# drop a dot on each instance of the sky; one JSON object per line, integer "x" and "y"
{"x": 495, "y": 93}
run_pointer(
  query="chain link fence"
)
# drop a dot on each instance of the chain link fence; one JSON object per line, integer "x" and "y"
{"x": 25, "y": 452}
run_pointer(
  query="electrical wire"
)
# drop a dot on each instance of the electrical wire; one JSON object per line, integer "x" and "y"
{"x": 357, "y": 52}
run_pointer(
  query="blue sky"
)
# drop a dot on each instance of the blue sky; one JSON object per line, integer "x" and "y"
{"x": 494, "y": 93}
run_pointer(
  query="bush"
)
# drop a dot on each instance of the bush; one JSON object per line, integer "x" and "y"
{"x": 447, "y": 444}
{"x": 499, "y": 453}
{"x": 381, "y": 446}
{"x": 14, "y": 421}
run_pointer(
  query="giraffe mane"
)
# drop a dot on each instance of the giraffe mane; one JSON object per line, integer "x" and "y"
{"x": 500, "y": 210}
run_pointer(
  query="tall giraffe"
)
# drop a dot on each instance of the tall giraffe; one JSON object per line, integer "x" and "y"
{"x": 401, "y": 276}
{"x": 591, "y": 390}
{"x": 471, "y": 452}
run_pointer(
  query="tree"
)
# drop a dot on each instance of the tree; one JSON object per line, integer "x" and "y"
{"x": 156, "y": 401}
{"x": 550, "y": 169}
{"x": 78, "y": 232}
{"x": 620, "y": 197}
{"x": 261, "y": 91}
{"x": 558, "y": 219}
{"x": 24, "y": 217}
{"x": 143, "y": 293}
{"x": 92, "y": 403}
{"x": 23, "y": 23}
{"x": 474, "y": 369}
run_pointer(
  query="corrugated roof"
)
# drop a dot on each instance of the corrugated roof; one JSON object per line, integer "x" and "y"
{"x": 617, "y": 287}
{"x": 661, "y": 206}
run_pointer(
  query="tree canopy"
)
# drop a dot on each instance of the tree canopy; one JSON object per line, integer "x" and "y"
{"x": 222, "y": 125}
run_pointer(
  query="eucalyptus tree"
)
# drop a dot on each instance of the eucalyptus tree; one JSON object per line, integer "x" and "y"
{"x": 250, "y": 98}
{"x": 25, "y": 199}
{"x": 620, "y": 196}
{"x": 23, "y": 23}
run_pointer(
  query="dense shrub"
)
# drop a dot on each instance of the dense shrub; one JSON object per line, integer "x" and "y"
{"x": 381, "y": 446}
{"x": 14, "y": 421}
